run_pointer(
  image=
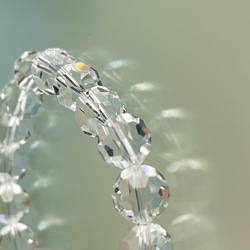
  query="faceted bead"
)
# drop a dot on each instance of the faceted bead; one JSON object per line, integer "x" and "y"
{"x": 23, "y": 64}
{"x": 140, "y": 194}
{"x": 14, "y": 129}
{"x": 78, "y": 76}
{"x": 16, "y": 107}
{"x": 45, "y": 66}
{"x": 14, "y": 201}
{"x": 20, "y": 163}
{"x": 31, "y": 103}
{"x": 9, "y": 97}
{"x": 95, "y": 106}
{"x": 67, "y": 97}
{"x": 72, "y": 79}
{"x": 11, "y": 161}
{"x": 17, "y": 236}
{"x": 125, "y": 140}
{"x": 10, "y": 110}
{"x": 146, "y": 237}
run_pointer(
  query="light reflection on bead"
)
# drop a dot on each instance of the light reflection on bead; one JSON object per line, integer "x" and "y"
{"x": 17, "y": 236}
{"x": 22, "y": 66}
{"x": 14, "y": 201}
{"x": 140, "y": 194}
{"x": 95, "y": 106}
{"x": 146, "y": 237}
{"x": 125, "y": 140}
{"x": 45, "y": 66}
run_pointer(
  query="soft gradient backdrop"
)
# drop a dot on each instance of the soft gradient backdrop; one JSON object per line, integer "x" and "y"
{"x": 183, "y": 66}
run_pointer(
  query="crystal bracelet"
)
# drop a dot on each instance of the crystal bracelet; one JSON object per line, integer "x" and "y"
{"x": 140, "y": 192}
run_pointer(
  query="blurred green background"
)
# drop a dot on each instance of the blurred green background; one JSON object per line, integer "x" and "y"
{"x": 183, "y": 66}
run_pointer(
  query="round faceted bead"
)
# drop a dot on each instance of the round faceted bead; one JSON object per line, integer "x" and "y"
{"x": 125, "y": 140}
{"x": 23, "y": 64}
{"x": 9, "y": 97}
{"x": 17, "y": 236}
{"x": 72, "y": 79}
{"x": 14, "y": 201}
{"x": 45, "y": 66}
{"x": 140, "y": 194}
{"x": 78, "y": 76}
{"x": 67, "y": 97}
{"x": 12, "y": 161}
{"x": 95, "y": 106}
{"x": 146, "y": 237}
{"x": 15, "y": 123}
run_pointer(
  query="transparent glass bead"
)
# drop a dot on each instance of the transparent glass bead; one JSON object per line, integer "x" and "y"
{"x": 72, "y": 79}
{"x": 95, "y": 106}
{"x": 9, "y": 97}
{"x": 12, "y": 161}
{"x": 45, "y": 66}
{"x": 20, "y": 163}
{"x": 16, "y": 107}
{"x": 125, "y": 140}
{"x": 17, "y": 236}
{"x": 14, "y": 201}
{"x": 78, "y": 75}
{"x": 67, "y": 97}
{"x": 15, "y": 129}
{"x": 23, "y": 64}
{"x": 31, "y": 103}
{"x": 11, "y": 113}
{"x": 140, "y": 194}
{"x": 146, "y": 237}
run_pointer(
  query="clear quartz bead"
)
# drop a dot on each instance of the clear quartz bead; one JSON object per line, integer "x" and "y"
{"x": 72, "y": 79}
{"x": 14, "y": 124}
{"x": 95, "y": 106}
{"x": 146, "y": 237}
{"x": 125, "y": 140}
{"x": 14, "y": 201}
{"x": 17, "y": 237}
{"x": 23, "y": 64}
{"x": 78, "y": 75}
{"x": 45, "y": 66}
{"x": 12, "y": 161}
{"x": 9, "y": 97}
{"x": 140, "y": 194}
{"x": 16, "y": 107}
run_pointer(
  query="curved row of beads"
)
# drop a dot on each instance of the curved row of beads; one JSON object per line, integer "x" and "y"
{"x": 140, "y": 192}
{"x": 18, "y": 103}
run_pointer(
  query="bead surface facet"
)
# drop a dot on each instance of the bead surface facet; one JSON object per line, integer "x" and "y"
{"x": 95, "y": 106}
{"x": 22, "y": 65}
{"x": 16, "y": 107}
{"x": 140, "y": 194}
{"x": 146, "y": 237}
{"x": 17, "y": 236}
{"x": 78, "y": 76}
{"x": 45, "y": 67}
{"x": 14, "y": 201}
{"x": 125, "y": 140}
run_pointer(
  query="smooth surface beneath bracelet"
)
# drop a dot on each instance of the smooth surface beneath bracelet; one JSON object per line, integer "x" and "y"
{"x": 140, "y": 193}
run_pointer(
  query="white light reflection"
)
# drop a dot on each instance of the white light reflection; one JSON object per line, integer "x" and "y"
{"x": 186, "y": 164}
{"x": 119, "y": 64}
{"x": 174, "y": 113}
{"x": 196, "y": 224}
{"x": 112, "y": 69}
{"x": 43, "y": 183}
{"x": 49, "y": 222}
{"x": 51, "y": 121}
{"x": 173, "y": 132}
{"x": 144, "y": 86}
{"x": 35, "y": 144}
